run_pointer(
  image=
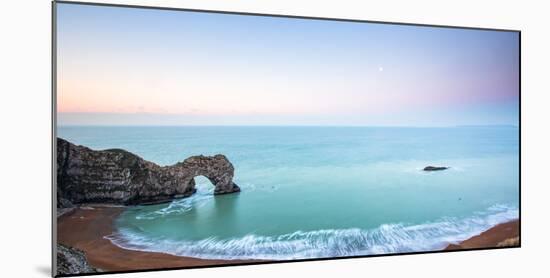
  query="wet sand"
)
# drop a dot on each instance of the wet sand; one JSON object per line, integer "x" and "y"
{"x": 85, "y": 228}
{"x": 501, "y": 235}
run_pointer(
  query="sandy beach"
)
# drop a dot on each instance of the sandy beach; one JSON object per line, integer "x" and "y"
{"x": 501, "y": 235}
{"x": 85, "y": 228}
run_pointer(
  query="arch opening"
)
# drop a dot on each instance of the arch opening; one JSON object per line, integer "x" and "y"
{"x": 204, "y": 184}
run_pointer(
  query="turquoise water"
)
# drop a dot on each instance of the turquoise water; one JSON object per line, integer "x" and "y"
{"x": 311, "y": 192}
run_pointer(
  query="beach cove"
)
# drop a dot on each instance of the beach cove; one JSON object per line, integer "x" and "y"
{"x": 304, "y": 194}
{"x": 86, "y": 229}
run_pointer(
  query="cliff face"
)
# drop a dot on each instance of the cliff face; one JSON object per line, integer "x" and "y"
{"x": 116, "y": 176}
{"x": 72, "y": 261}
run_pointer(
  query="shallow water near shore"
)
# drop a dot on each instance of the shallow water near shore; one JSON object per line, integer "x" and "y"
{"x": 312, "y": 192}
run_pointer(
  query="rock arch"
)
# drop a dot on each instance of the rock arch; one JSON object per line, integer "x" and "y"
{"x": 215, "y": 168}
{"x": 119, "y": 177}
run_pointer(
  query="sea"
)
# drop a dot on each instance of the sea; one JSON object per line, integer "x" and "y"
{"x": 318, "y": 192}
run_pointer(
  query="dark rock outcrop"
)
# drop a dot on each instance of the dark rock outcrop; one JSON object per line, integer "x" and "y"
{"x": 116, "y": 176}
{"x": 72, "y": 261}
{"x": 435, "y": 168}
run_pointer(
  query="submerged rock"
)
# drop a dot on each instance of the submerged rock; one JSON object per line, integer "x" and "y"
{"x": 435, "y": 168}
{"x": 117, "y": 176}
{"x": 72, "y": 261}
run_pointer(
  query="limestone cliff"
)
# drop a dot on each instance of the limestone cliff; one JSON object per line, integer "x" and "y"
{"x": 117, "y": 176}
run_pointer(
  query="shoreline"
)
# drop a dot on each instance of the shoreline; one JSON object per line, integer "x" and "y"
{"x": 85, "y": 228}
{"x": 501, "y": 235}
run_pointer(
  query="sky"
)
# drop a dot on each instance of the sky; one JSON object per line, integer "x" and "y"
{"x": 128, "y": 66}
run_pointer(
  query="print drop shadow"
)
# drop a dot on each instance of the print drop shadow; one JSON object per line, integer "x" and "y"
{"x": 44, "y": 270}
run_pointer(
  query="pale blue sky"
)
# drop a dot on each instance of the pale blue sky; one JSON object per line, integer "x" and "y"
{"x": 155, "y": 67}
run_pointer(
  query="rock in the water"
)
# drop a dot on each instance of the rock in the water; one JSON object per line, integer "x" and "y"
{"x": 116, "y": 176}
{"x": 72, "y": 261}
{"x": 435, "y": 168}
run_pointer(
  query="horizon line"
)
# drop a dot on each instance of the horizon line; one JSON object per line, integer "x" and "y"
{"x": 279, "y": 125}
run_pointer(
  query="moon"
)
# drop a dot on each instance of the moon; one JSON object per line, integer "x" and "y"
{"x": 380, "y": 69}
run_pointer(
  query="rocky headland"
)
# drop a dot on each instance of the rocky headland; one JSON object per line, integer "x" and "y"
{"x": 118, "y": 177}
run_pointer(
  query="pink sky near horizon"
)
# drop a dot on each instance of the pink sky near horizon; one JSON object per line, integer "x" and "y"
{"x": 89, "y": 88}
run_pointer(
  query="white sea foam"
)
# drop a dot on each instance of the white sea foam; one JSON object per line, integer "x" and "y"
{"x": 387, "y": 238}
{"x": 205, "y": 193}
{"x": 200, "y": 198}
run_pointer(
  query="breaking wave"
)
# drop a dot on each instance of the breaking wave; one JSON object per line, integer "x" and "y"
{"x": 387, "y": 238}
